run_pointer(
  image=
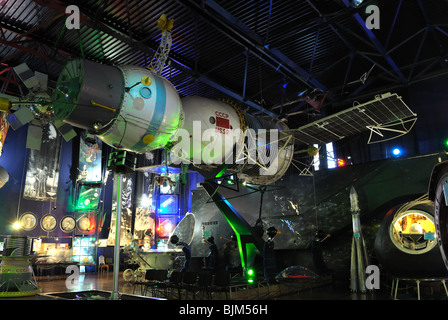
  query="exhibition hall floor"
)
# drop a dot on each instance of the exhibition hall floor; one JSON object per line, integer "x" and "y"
{"x": 104, "y": 282}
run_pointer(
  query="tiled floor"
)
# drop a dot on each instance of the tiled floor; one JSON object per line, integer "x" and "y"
{"x": 104, "y": 282}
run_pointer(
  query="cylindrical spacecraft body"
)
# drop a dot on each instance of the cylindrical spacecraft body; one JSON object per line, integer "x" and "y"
{"x": 127, "y": 107}
{"x": 82, "y": 82}
{"x": 216, "y": 133}
{"x": 133, "y": 108}
{"x": 213, "y": 130}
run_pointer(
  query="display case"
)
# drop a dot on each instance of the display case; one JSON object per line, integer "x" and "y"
{"x": 84, "y": 250}
{"x": 168, "y": 204}
{"x": 88, "y": 197}
{"x": 51, "y": 252}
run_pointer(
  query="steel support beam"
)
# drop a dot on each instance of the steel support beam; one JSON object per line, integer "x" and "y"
{"x": 441, "y": 31}
{"x": 60, "y": 7}
{"x": 248, "y": 241}
{"x": 417, "y": 55}
{"x": 28, "y": 36}
{"x": 246, "y": 66}
{"x": 377, "y": 44}
{"x": 235, "y": 95}
{"x": 393, "y": 24}
{"x": 24, "y": 49}
{"x": 216, "y": 15}
{"x": 349, "y": 45}
{"x": 431, "y": 28}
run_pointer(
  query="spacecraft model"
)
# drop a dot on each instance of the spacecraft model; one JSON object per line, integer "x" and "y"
{"x": 135, "y": 109}
{"x": 437, "y": 192}
{"x": 168, "y": 258}
{"x": 359, "y": 257}
{"x": 16, "y": 274}
{"x": 406, "y": 243}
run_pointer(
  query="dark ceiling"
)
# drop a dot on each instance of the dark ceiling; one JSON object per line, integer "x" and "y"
{"x": 262, "y": 54}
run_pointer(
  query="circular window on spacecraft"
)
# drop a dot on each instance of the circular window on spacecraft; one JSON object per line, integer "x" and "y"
{"x": 413, "y": 232}
{"x": 145, "y": 92}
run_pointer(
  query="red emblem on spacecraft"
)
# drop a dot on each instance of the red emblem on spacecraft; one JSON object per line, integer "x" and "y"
{"x": 222, "y": 122}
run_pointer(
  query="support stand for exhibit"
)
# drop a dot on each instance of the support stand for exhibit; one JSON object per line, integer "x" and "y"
{"x": 119, "y": 162}
{"x": 249, "y": 242}
{"x": 115, "y": 295}
{"x": 395, "y": 282}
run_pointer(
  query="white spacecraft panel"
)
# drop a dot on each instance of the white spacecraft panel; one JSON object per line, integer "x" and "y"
{"x": 373, "y": 115}
{"x": 150, "y": 115}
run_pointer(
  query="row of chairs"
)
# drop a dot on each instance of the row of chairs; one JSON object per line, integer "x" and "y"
{"x": 185, "y": 285}
{"x": 154, "y": 278}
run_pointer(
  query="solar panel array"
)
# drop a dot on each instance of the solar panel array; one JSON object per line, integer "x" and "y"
{"x": 383, "y": 110}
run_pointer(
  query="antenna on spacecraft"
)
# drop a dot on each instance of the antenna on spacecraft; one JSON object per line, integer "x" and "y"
{"x": 161, "y": 55}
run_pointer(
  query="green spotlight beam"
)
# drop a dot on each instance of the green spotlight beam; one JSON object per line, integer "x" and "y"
{"x": 249, "y": 243}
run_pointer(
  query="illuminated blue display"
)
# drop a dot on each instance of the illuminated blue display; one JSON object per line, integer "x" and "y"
{"x": 169, "y": 204}
{"x": 396, "y": 152}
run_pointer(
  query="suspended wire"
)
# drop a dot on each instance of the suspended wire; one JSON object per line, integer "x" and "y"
{"x": 21, "y": 183}
{"x": 266, "y": 39}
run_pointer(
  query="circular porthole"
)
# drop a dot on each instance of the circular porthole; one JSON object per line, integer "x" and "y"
{"x": 48, "y": 222}
{"x": 145, "y": 92}
{"x": 413, "y": 231}
{"x": 28, "y": 221}
{"x": 84, "y": 223}
{"x": 68, "y": 224}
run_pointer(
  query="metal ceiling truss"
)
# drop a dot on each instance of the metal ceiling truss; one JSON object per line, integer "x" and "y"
{"x": 8, "y": 76}
{"x": 398, "y": 78}
{"x": 138, "y": 45}
{"x": 254, "y": 46}
{"x": 216, "y": 15}
{"x": 26, "y": 41}
{"x": 377, "y": 44}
